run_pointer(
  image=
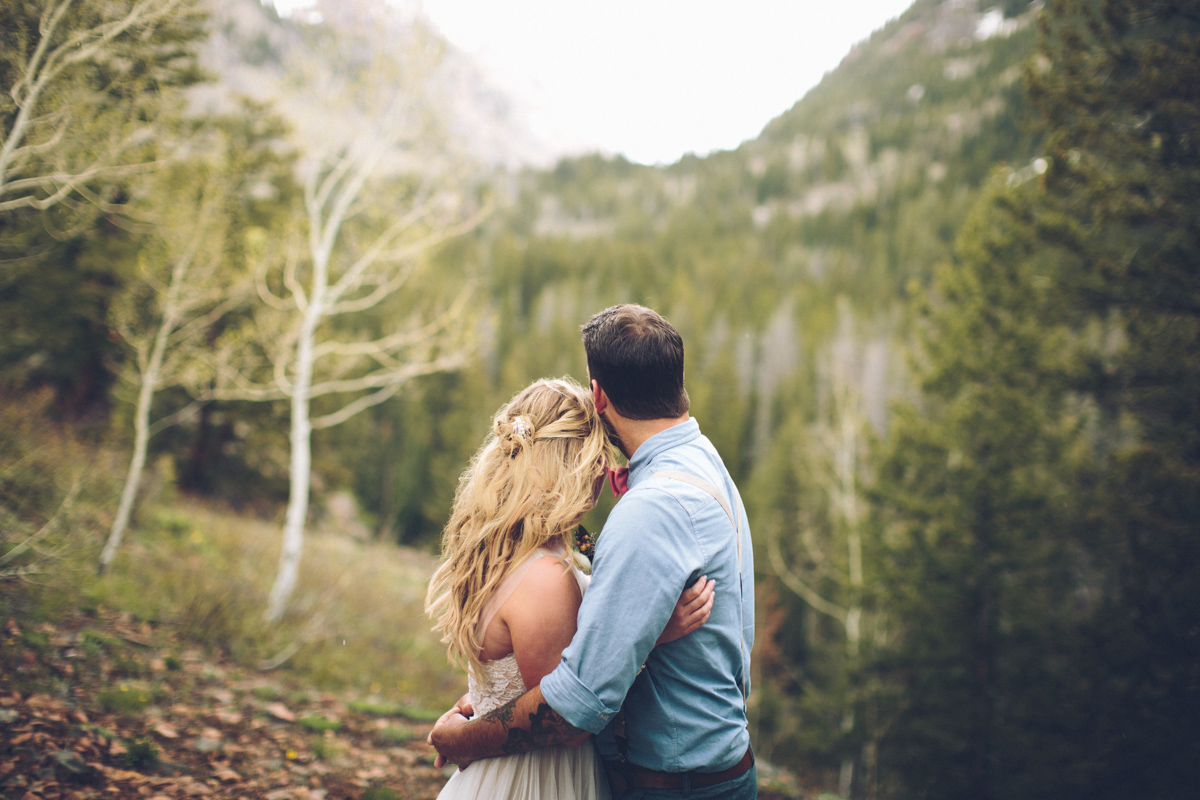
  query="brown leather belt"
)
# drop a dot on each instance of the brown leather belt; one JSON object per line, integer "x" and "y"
{"x": 630, "y": 776}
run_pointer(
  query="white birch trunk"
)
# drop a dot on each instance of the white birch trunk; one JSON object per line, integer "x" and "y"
{"x": 133, "y": 480}
{"x": 299, "y": 482}
{"x": 300, "y": 463}
{"x": 141, "y": 418}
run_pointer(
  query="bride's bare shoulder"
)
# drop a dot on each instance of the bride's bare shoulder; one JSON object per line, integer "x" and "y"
{"x": 547, "y": 581}
{"x": 540, "y": 617}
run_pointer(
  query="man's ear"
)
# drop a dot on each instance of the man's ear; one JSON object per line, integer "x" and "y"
{"x": 599, "y": 398}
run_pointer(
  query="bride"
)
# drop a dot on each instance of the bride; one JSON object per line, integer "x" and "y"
{"x": 506, "y": 596}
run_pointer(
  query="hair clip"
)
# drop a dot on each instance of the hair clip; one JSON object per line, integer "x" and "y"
{"x": 521, "y": 427}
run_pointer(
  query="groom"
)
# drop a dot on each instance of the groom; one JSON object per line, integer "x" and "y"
{"x": 672, "y": 717}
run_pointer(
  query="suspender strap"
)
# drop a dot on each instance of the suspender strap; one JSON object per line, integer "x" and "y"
{"x": 736, "y": 521}
{"x": 619, "y": 727}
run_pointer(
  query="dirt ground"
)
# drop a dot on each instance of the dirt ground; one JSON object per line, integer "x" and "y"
{"x": 94, "y": 708}
{"x": 105, "y": 707}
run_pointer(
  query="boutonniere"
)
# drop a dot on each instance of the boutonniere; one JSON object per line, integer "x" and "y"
{"x": 584, "y": 550}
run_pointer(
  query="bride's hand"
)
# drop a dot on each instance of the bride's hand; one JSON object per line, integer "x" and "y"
{"x": 691, "y": 611}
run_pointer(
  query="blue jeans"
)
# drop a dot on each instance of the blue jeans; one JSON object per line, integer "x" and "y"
{"x": 743, "y": 787}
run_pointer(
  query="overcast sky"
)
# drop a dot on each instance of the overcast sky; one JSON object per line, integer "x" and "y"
{"x": 654, "y": 79}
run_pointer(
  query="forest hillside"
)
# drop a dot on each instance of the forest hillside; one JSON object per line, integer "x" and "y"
{"x": 264, "y": 281}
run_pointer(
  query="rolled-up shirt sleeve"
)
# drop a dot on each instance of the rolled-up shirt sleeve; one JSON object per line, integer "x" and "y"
{"x": 645, "y": 557}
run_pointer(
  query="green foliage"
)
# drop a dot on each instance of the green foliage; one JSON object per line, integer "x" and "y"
{"x": 128, "y": 698}
{"x": 377, "y": 709}
{"x": 267, "y": 693}
{"x": 63, "y": 263}
{"x": 1031, "y": 548}
{"x": 392, "y": 736}
{"x": 1050, "y": 476}
{"x": 325, "y": 748}
{"x": 1121, "y": 193}
{"x": 141, "y": 753}
{"x": 318, "y": 724}
{"x": 55, "y": 488}
{"x": 974, "y": 488}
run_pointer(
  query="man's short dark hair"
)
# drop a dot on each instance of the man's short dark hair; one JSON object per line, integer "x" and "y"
{"x": 637, "y": 358}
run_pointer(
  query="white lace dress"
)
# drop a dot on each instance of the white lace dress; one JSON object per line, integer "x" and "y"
{"x": 552, "y": 773}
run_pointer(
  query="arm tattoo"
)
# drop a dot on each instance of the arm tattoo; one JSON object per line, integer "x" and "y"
{"x": 503, "y": 714}
{"x": 546, "y": 728}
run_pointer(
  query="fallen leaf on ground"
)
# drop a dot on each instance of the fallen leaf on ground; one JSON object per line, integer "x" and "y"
{"x": 281, "y": 711}
{"x": 166, "y": 730}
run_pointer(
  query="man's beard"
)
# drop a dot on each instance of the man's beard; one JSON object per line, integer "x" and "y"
{"x": 612, "y": 436}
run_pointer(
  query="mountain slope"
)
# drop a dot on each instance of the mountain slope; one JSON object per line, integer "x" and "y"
{"x": 252, "y": 52}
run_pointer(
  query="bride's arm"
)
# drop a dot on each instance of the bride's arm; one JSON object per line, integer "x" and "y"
{"x": 691, "y": 611}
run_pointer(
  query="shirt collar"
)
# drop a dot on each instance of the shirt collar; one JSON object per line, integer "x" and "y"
{"x": 673, "y": 436}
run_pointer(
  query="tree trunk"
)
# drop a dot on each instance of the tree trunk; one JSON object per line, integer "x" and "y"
{"x": 141, "y": 419}
{"x": 847, "y": 467}
{"x": 197, "y": 475}
{"x": 300, "y": 465}
{"x": 299, "y": 475}
{"x": 984, "y": 612}
{"x": 133, "y": 479}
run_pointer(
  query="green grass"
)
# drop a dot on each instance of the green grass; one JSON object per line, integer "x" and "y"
{"x": 392, "y": 735}
{"x": 319, "y": 724}
{"x": 325, "y": 748}
{"x": 412, "y": 712}
{"x": 93, "y": 642}
{"x": 266, "y": 693}
{"x": 372, "y": 636}
{"x": 99, "y": 731}
{"x": 36, "y": 641}
{"x": 202, "y": 575}
{"x": 128, "y": 698}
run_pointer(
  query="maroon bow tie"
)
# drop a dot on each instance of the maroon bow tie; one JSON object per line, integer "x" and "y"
{"x": 618, "y": 479}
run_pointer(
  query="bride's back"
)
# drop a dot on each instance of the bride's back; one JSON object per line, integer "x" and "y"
{"x": 532, "y": 614}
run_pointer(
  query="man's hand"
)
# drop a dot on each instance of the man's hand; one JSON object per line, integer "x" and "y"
{"x": 691, "y": 611}
{"x": 459, "y": 714}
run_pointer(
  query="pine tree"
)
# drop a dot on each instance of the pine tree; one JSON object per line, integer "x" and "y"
{"x": 971, "y": 491}
{"x": 1043, "y": 504}
{"x": 1121, "y": 95}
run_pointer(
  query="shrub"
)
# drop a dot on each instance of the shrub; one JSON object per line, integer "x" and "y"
{"x": 141, "y": 753}
{"x": 55, "y": 496}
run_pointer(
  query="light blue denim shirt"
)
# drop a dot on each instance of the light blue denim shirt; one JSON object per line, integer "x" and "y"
{"x": 684, "y": 711}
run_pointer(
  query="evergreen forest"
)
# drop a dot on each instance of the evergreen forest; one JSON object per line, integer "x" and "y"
{"x": 264, "y": 281}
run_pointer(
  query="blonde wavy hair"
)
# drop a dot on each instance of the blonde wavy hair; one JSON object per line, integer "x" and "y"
{"x": 527, "y": 486}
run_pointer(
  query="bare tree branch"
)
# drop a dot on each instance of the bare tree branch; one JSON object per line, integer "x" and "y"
{"x": 796, "y": 584}
{"x": 31, "y": 541}
{"x": 42, "y": 76}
